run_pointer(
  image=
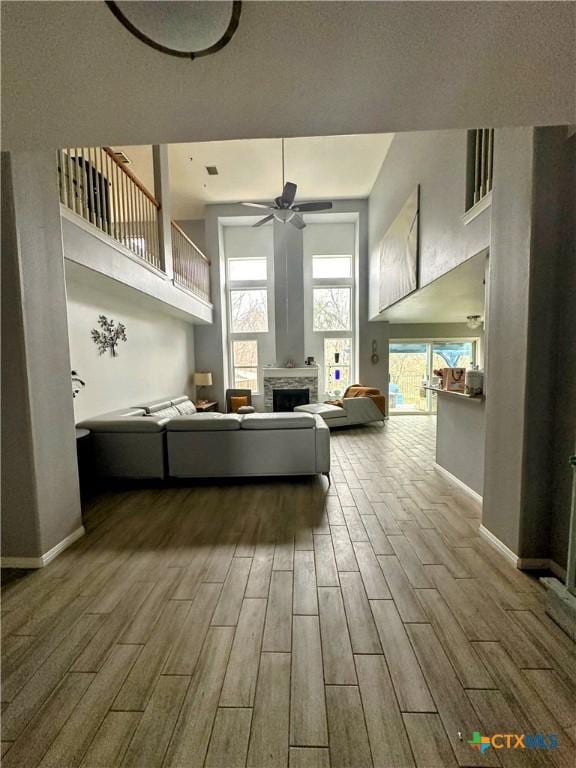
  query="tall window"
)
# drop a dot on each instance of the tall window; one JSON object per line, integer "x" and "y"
{"x": 248, "y": 290}
{"x": 331, "y": 336}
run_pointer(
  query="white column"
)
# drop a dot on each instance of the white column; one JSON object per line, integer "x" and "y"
{"x": 40, "y": 495}
{"x": 162, "y": 194}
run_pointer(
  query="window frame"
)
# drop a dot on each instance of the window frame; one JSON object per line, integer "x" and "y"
{"x": 260, "y": 337}
{"x": 318, "y": 336}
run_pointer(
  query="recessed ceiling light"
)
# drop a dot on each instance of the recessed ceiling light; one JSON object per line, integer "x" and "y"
{"x": 212, "y": 170}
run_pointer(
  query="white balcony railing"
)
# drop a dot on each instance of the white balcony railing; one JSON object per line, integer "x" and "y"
{"x": 191, "y": 267}
{"x": 94, "y": 184}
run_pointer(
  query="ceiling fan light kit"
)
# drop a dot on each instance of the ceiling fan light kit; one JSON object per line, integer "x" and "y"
{"x": 284, "y": 209}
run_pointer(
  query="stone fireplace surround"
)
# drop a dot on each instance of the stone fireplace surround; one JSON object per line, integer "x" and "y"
{"x": 289, "y": 378}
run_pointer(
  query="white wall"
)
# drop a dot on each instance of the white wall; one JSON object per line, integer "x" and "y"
{"x": 156, "y": 361}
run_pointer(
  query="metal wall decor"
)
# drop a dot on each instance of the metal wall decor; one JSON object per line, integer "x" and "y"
{"x": 188, "y": 28}
{"x": 109, "y": 336}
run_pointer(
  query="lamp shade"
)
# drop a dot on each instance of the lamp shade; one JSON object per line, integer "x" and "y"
{"x": 203, "y": 379}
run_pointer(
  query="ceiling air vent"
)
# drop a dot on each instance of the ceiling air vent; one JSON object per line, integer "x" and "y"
{"x": 121, "y": 157}
{"x": 212, "y": 170}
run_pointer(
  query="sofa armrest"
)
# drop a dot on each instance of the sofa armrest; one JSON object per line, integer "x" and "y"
{"x": 322, "y": 445}
{"x": 126, "y": 424}
{"x": 362, "y": 409}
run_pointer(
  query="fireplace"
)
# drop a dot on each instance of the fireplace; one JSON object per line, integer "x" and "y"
{"x": 288, "y": 399}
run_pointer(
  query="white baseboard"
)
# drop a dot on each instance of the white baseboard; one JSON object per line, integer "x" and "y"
{"x": 456, "y": 481}
{"x": 40, "y": 562}
{"x": 522, "y": 563}
{"x": 499, "y": 545}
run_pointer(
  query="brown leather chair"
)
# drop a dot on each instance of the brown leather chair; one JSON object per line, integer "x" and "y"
{"x": 230, "y": 393}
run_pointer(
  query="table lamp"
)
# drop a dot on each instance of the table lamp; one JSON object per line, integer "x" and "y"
{"x": 202, "y": 380}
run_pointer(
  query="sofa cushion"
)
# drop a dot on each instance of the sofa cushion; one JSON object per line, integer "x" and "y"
{"x": 205, "y": 422}
{"x": 185, "y": 407}
{"x": 325, "y": 410}
{"x": 181, "y": 399}
{"x": 278, "y": 421}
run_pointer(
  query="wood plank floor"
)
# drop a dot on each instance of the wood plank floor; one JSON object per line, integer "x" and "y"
{"x": 285, "y": 623}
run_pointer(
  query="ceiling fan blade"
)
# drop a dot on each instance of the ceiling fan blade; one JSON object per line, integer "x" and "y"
{"x": 325, "y": 206}
{"x": 265, "y": 220}
{"x": 288, "y": 193}
{"x": 256, "y": 205}
{"x": 298, "y": 221}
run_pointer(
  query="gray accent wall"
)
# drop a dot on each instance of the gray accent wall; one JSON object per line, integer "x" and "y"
{"x": 530, "y": 412}
{"x": 40, "y": 495}
{"x": 436, "y": 160}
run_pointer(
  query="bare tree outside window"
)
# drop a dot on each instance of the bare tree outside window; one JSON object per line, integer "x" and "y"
{"x": 245, "y": 357}
{"x": 249, "y": 311}
{"x": 331, "y": 309}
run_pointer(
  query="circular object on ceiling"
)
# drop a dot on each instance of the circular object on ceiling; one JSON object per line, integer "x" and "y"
{"x": 186, "y": 28}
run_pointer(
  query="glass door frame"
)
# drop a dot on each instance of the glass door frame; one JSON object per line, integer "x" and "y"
{"x": 430, "y": 396}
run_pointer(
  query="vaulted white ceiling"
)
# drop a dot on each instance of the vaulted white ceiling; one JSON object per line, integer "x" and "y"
{"x": 325, "y": 167}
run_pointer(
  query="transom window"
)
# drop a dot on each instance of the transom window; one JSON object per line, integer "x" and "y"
{"x": 327, "y": 267}
{"x": 247, "y": 269}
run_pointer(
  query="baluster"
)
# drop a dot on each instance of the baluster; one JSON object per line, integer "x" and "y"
{"x": 61, "y": 177}
{"x": 69, "y": 188}
{"x": 129, "y": 233}
{"x": 103, "y": 192}
{"x": 112, "y": 196}
{"x": 94, "y": 186}
{"x": 490, "y": 158}
{"x": 82, "y": 190}
{"x": 89, "y": 187}
{"x": 476, "y": 165}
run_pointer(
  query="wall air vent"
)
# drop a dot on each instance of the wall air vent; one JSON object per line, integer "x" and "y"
{"x": 121, "y": 157}
{"x": 211, "y": 170}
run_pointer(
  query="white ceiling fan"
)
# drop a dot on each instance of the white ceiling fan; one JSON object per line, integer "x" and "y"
{"x": 284, "y": 209}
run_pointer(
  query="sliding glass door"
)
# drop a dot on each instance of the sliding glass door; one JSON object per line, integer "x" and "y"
{"x": 411, "y": 368}
{"x": 408, "y": 368}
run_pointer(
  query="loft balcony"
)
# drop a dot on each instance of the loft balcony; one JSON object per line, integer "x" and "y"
{"x": 114, "y": 226}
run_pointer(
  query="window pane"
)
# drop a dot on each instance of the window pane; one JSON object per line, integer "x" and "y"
{"x": 249, "y": 311}
{"x": 337, "y": 374}
{"x": 247, "y": 269}
{"x": 331, "y": 266}
{"x": 452, "y": 354}
{"x": 331, "y": 309}
{"x": 246, "y": 378}
{"x": 245, "y": 353}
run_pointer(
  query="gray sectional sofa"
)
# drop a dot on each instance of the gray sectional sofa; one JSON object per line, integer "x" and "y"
{"x": 168, "y": 438}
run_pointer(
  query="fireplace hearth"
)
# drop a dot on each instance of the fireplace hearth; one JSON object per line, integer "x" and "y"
{"x": 287, "y": 399}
